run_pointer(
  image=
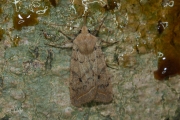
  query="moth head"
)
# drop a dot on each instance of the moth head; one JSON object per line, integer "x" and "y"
{"x": 84, "y": 30}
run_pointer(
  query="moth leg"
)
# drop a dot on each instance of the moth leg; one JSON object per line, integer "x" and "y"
{"x": 96, "y": 32}
{"x": 107, "y": 43}
{"x": 67, "y": 44}
{"x": 69, "y": 38}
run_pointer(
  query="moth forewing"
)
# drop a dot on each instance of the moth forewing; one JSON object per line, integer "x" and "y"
{"x": 82, "y": 83}
{"x": 103, "y": 82}
{"x": 89, "y": 79}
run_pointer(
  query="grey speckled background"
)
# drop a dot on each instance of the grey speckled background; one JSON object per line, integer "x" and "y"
{"x": 32, "y": 89}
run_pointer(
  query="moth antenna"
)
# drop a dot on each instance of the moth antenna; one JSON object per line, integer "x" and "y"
{"x": 96, "y": 32}
{"x": 65, "y": 35}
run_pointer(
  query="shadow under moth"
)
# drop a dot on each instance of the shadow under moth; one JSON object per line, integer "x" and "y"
{"x": 89, "y": 78}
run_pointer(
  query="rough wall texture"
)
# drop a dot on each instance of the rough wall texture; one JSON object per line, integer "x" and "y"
{"x": 34, "y": 76}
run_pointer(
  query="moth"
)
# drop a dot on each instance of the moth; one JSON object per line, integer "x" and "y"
{"x": 89, "y": 78}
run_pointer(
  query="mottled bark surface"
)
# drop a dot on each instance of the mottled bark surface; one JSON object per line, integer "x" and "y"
{"x": 34, "y": 71}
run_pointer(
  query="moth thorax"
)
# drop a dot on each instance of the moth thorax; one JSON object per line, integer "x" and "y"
{"x": 86, "y": 44}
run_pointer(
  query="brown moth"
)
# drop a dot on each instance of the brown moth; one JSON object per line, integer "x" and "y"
{"x": 89, "y": 78}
